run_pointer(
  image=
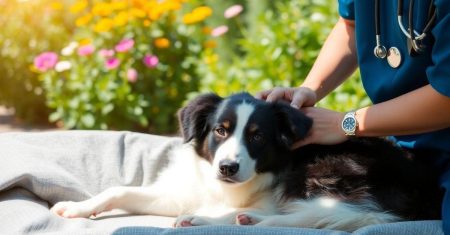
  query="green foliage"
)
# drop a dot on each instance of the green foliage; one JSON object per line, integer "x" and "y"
{"x": 276, "y": 46}
{"x": 27, "y": 28}
{"x": 276, "y": 50}
{"x": 348, "y": 96}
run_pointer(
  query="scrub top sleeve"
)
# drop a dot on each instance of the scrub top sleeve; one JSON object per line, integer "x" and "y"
{"x": 347, "y": 9}
{"x": 439, "y": 73}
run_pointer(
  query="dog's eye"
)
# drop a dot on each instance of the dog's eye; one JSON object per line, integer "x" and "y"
{"x": 221, "y": 131}
{"x": 256, "y": 137}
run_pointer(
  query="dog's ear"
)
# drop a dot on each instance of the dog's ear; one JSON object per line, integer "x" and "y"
{"x": 293, "y": 124}
{"x": 193, "y": 118}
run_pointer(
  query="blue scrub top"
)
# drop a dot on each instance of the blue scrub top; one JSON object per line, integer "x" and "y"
{"x": 382, "y": 82}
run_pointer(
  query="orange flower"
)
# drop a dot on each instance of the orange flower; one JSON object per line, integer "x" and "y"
{"x": 210, "y": 44}
{"x": 206, "y": 30}
{"x": 162, "y": 43}
{"x": 84, "y": 20}
{"x": 147, "y": 23}
{"x": 154, "y": 12}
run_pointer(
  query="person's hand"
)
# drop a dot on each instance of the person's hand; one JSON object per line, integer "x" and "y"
{"x": 298, "y": 97}
{"x": 326, "y": 128}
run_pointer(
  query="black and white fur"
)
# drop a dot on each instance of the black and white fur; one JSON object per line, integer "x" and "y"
{"x": 236, "y": 167}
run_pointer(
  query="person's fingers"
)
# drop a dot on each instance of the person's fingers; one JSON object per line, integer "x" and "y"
{"x": 262, "y": 95}
{"x": 298, "y": 100}
{"x": 277, "y": 93}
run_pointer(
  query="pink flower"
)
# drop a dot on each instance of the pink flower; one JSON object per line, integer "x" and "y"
{"x": 125, "y": 45}
{"x": 151, "y": 61}
{"x": 219, "y": 31}
{"x": 132, "y": 75}
{"x": 105, "y": 53}
{"x": 112, "y": 63}
{"x": 45, "y": 61}
{"x": 86, "y": 50}
{"x": 233, "y": 11}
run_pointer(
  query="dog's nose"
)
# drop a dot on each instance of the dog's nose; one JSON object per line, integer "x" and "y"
{"x": 228, "y": 167}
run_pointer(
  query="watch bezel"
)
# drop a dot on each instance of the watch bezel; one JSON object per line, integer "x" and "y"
{"x": 350, "y": 115}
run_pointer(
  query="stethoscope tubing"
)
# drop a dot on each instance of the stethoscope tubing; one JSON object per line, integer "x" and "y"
{"x": 411, "y": 34}
{"x": 431, "y": 18}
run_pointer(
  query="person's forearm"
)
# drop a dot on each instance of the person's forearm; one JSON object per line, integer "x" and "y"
{"x": 337, "y": 60}
{"x": 416, "y": 112}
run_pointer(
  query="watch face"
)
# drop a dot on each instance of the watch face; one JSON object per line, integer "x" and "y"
{"x": 349, "y": 124}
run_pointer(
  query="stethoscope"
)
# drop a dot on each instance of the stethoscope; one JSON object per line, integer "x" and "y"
{"x": 414, "y": 39}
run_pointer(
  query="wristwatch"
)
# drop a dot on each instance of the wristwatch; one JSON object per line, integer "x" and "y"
{"x": 349, "y": 123}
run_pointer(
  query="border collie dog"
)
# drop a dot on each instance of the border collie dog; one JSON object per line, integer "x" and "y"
{"x": 237, "y": 167}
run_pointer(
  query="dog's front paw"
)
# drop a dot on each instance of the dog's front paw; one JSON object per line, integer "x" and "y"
{"x": 190, "y": 220}
{"x": 71, "y": 209}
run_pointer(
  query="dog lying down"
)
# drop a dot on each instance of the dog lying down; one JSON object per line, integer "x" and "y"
{"x": 236, "y": 167}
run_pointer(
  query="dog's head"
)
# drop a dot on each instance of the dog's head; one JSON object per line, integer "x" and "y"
{"x": 242, "y": 136}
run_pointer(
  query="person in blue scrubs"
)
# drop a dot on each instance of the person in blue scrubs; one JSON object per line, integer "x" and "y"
{"x": 410, "y": 93}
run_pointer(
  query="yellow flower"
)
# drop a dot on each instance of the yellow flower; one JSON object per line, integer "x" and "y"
{"x": 197, "y": 15}
{"x": 102, "y": 9}
{"x": 162, "y": 43}
{"x": 203, "y": 11}
{"x": 210, "y": 44}
{"x": 83, "y": 20}
{"x": 56, "y": 6}
{"x": 136, "y": 12}
{"x": 121, "y": 19}
{"x": 210, "y": 59}
{"x": 84, "y": 41}
{"x": 167, "y": 6}
{"x": 119, "y": 5}
{"x": 104, "y": 25}
{"x": 78, "y": 6}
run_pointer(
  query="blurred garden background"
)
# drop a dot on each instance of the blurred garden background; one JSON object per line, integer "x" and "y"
{"x": 131, "y": 64}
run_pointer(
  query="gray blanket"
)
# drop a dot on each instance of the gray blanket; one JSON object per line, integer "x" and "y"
{"x": 39, "y": 169}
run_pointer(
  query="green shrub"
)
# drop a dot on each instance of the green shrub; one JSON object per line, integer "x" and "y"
{"x": 137, "y": 87}
{"x": 28, "y": 28}
{"x": 276, "y": 44}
